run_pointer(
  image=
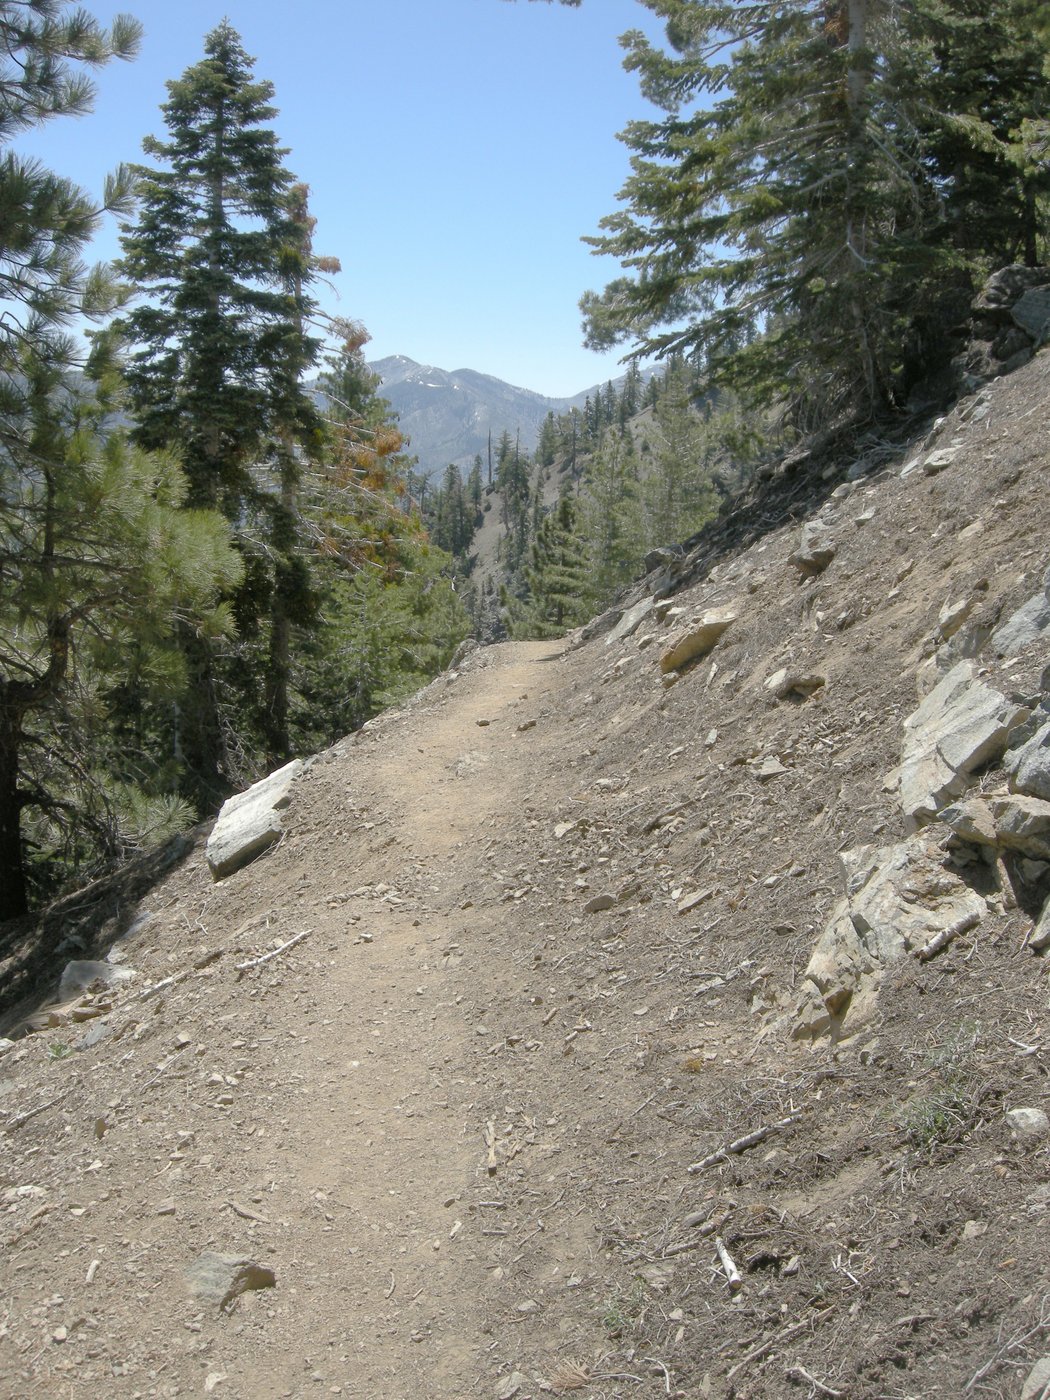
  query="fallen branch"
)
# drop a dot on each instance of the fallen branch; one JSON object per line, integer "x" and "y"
{"x": 32, "y": 1112}
{"x": 941, "y": 940}
{"x": 704, "y": 1232}
{"x": 733, "y": 1275}
{"x": 757, "y": 1353}
{"x": 799, "y": 1373}
{"x": 163, "y": 986}
{"x": 273, "y": 953}
{"x": 743, "y": 1143}
{"x": 490, "y": 1143}
{"x": 247, "y": 1214}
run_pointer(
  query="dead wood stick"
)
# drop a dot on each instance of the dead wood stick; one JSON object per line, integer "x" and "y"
{"x": 799, "y": 1373}
{"x": 163, "y": 985}
{"x": 32, "y": 1112}
{"x": 743, "y": 1143}
{"x": 942, "y": 939}
{"x": 273, "y": 953}
{"x": 490, "y": 1143}
{"x": 703, "y": 1233}
{"x": 733, "y": 1275}
{"x": 757, "y": 1353}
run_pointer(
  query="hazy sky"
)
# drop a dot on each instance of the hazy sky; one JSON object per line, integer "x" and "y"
{"x": 456, "y": 151}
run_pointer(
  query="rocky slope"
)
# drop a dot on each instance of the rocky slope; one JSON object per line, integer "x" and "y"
{"x": 587, "y": 1030}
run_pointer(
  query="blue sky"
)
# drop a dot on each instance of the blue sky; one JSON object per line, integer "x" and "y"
{"x": 456, "y": 150}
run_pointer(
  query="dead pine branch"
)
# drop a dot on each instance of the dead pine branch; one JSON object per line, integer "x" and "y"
{"x": 741, "y": 1144}
{"x": 785, "y": 1335}
{"x": 32, "y": 1112}
{"x": 733, "y": 1275}
{"x": 490, "y": 1143}
{"x": 941, "y": 940}
{"x": 799, "y": 1373}
{"x": 273, "y": 953}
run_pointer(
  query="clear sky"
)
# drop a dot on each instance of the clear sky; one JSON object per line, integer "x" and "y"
{"x": 456, "y": 152}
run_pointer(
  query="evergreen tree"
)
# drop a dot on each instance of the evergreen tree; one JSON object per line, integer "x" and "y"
{"x": 678, "y": 491}
{"x": 220, "y": 251}
{"x": 610, "y": 516}
{"x": 558, "y": 576}
{"x": 91, "y": 551}
{"x": 786, "y": 218}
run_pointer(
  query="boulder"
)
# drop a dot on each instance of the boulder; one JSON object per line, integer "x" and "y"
{"x": 1030, "y": 765}
{"x": 897, "y": 899}
{"x": 795, "y": 685}
{"x": 250, "y": 822}
{"x": 1015, "y": 823}
{"x": 80, "y": 976}
{"x": 1040, "y": 935}
{"x": 815, "y": 551}
{"x": 630, "y": 621}
{"x": 960, "y": 726}
{"x": 1028, "y": 624}
{"x": 695, "y": 639}
{"x": 1006, "y": 287}
{"x": 1031, "y": 311}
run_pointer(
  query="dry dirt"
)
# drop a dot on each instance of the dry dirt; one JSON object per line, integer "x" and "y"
{"x": 456, "y": 1118}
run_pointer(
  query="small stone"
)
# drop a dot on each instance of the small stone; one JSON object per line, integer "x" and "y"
{"x": 940, "y": 460}
{"x": 1027, "y": 1124}
{"x": 221, "y": 1278}
{"x": 1037, "y": 1386}
{"x": 599, "y": 903}
{"x": 511, "y": 1385}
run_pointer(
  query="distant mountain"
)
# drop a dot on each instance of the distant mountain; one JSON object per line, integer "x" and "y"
{"x": 448, "y": 415}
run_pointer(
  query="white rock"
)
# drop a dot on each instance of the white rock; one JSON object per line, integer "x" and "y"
{"x": 1027, "y": 1124}
{"x": 961, "y": 725}
{"x": 250, "y": 822}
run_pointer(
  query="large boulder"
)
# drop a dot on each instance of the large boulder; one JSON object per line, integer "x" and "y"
{"x": 1030, "y": 765}
{"x": 960, "y": 726}
{"x": 695, "y": 638}
{"x": 898, "y": 898}
{"x": 1028, "y": 624}
{"x": 1016, "y": 823}
{"x": 250, "y": 822}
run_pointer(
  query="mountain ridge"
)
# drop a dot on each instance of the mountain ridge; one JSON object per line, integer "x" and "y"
{"x": 447, "y": 415}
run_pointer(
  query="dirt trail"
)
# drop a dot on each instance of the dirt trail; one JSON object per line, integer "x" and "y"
{"x": 338, "y": 1095}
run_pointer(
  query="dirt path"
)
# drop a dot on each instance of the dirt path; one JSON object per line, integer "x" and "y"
{"x": 325, "y": 1115}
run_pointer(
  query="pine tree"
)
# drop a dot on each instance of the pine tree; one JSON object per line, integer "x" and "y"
{"x": 678, "y": 491}
{"x": 91, "y": 552}
{"x": 786, "y": 218}
{"x": 220, "y": 251}
{"x": 610, "y": 515}
{"x": 558, "y": 576}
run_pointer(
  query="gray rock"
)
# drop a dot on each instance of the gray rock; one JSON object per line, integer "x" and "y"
{"x": 1040, "y": 936}
{"x": 599, "y": 903}
{"x": 249, "y": 823}
{"x": 939, "y": 461}
{"x": 1006, "y": 286}
{"x": 1029, "y": 623}
{"x": 1028, "y": 1124}
{"x": 222, "y": 1278}
{"x": 1031, "y": 311}
{"x": 815, "y": 552}
{"x": 77, "y": 977}
{"x": 1037, "y": 1386}
{"x": 695, "y": 639}
{"x": 1013, "y": 823}
{"x": 630, "y": 621}
{"x": 897, "y": 899}
{"x": 961, "y": 725}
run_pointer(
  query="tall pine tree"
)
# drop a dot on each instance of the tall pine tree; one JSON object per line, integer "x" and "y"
{"x": 220, "y": 252}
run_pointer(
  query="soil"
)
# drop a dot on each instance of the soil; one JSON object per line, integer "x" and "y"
{"x": 479, "y": 1122}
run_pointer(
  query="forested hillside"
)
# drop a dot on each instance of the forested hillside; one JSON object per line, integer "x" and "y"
{"x": 204, "y": 572}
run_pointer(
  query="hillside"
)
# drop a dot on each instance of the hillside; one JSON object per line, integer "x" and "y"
{"x": 585, "y": 1033}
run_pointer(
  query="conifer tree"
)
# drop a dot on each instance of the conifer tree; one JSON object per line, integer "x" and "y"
{"x": 678, "y": 492}
{"x": 558, "y": 576}
{"x": 785, "y": 218}
{"x": 94, "y": 553}
{"x": 221, "y": 258}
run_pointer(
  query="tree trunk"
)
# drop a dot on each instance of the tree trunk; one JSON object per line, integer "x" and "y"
{"x": 200, "y": 734}
{"x": 13, "y": 900}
